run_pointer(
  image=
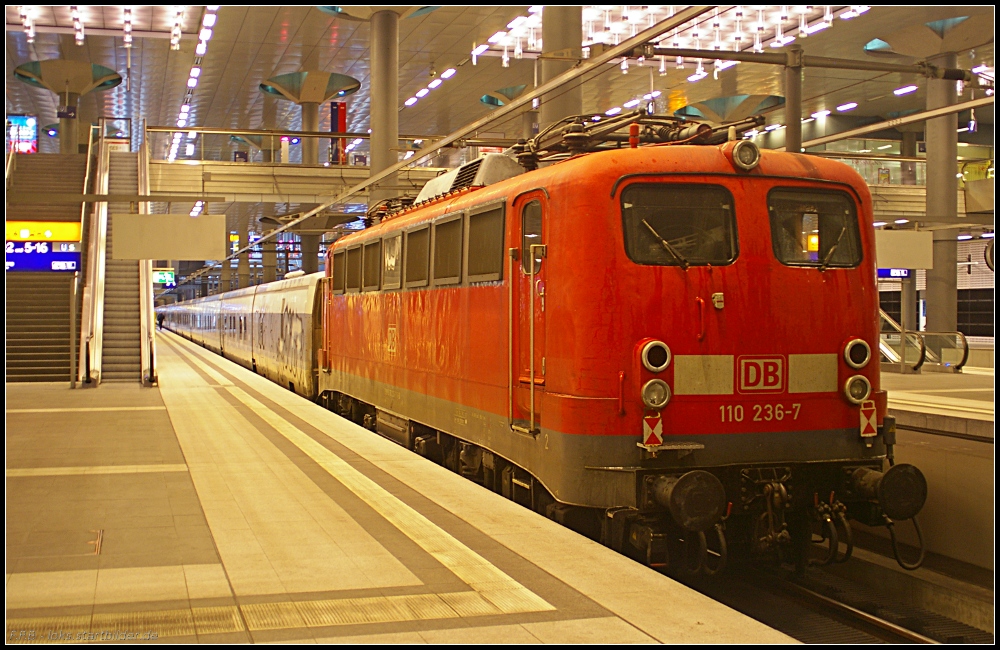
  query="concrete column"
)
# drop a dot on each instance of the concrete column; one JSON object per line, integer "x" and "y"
{"x": 908, "y": 147}
{"x": 562, "y": 29}
{"x": 310, "y": 253}
{"x": 384, "y": 99}
{"x": 310, "y": 122}
{"x": 243, "y": 267}
{"x": 69, "y": 128}
{"x": 793, "y": 99}
{"x": 941, "y": 134}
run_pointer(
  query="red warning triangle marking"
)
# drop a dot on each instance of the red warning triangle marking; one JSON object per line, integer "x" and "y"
{"x": 869, "y": 425}
{"x": 652, "y": 430}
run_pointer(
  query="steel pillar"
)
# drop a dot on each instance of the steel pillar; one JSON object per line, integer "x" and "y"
{"x": 562, "y": 28}
{"x": 310, "y": 122}
{"x": 384, "y": 99}
{"x": 941, "y": 135}
{"x": 793, "y": 99}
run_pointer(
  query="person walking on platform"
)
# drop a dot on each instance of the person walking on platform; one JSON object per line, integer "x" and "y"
{"x": 159, "y": 320}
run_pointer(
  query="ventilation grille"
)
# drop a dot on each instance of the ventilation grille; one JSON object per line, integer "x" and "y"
{"x": 467, "y": 174}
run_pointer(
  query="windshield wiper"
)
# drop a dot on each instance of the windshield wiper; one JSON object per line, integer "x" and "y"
{"x": 833, "y": 249}
{"x": 670, "y": 249}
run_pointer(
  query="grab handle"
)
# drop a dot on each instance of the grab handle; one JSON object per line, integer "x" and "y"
{"x": 701, "y": 318}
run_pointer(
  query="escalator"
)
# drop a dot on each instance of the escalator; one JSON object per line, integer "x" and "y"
{"x": 910, "y": 352}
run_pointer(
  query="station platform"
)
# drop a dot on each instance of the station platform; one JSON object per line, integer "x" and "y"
{"x": 219, "y": 507}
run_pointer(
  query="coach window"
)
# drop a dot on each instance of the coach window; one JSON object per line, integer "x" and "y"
{"x": 484, "y": 254}
{"x": 372, "y": 266}
{"x": 531, "y": 234}
{"x": 392, "y": 261}
{"x": 812, "y": 227}
{"x": 339, "y": 277}
{"x": 679, "y": 224}
{"x": 448, "y": 251}
{"x": 418, "y": 246}
{"x": 354, "y": 269}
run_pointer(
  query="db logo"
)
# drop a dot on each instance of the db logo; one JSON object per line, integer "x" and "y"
{"x": 762, "y": 374}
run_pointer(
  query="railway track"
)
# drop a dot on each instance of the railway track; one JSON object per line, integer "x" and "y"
{"x": 823, "y": 608}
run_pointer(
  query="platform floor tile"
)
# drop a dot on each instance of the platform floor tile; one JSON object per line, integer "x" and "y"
{"x": 248, "y": 514}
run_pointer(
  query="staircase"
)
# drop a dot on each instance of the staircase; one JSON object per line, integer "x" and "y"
{"x": 38, "y": 303}
{"x": 121, "y": 351}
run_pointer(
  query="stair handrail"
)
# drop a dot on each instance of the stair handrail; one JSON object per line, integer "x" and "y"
{"x": 147, "y": 315}
{"x": 11, "y": 166}
{"x": 83, "y": 366}
{"x": 97, "y": 260}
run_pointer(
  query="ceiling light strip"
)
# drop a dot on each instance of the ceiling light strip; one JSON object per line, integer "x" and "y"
{"x": 27, "y": 22}
{"x": 77, "y": 17}
{"x": 184, "y": 116}
{"x": 423, "y": 92}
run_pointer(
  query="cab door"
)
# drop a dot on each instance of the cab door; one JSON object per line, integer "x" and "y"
{"x": 528, "y": 319}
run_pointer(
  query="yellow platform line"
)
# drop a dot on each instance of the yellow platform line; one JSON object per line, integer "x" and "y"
{"x": 89, "y": 409}
{"x": 92, "y": 470}
{"x": 496, "y": 587}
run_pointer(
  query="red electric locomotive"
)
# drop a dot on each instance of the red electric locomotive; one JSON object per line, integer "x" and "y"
{"x": 662, "y": 340}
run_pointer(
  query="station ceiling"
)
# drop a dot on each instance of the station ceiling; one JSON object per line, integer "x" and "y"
{"x": 251, "y": 44}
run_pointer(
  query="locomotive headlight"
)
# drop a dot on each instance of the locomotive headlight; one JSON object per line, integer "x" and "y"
{"x": 857, "y": 353}
{"x": 656, "y": 356}
{"x": 655, "y": 394}
{"x": 745, "y": 155}
{"x": 857, "y": 389}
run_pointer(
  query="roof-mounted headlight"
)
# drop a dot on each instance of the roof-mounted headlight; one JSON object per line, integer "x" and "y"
{"x": 745, "y": 155}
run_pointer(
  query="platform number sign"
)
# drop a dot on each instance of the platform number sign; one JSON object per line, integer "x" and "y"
{"x": 652, "y": 430}
{"x": 869, "y": 427}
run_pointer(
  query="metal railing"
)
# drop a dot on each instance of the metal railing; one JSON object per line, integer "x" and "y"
{"x": 908, "y": 351}
{"x": 91, "y": 332}
{"x": 903, "y": 348}
{"x": 266, "y": 145}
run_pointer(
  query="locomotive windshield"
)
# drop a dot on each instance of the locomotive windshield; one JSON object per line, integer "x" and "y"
{"x": 814, "y": 227}
{"x": 679, "y": 225}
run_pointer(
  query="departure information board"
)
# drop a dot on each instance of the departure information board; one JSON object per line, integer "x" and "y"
{"x": 43, "y": 256}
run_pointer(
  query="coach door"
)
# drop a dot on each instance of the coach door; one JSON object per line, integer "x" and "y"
{"x": 528, "y": 271}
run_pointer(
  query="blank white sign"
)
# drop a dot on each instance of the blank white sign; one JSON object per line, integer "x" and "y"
{"x": 168, "y": 237}
{"x": 904, "y": 249}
